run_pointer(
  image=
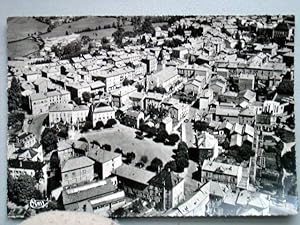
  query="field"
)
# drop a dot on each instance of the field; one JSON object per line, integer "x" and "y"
{"x": 20, "y": 27}
{"x": 88, "y": 22}
{"x": 21, "y": 48}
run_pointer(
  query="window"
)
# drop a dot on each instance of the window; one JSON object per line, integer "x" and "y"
{"x": 83, "y": 171}
{"x": 73, "y": 174}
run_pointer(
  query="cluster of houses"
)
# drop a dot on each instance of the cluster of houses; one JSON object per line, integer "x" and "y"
{"x": 218, "y": 78}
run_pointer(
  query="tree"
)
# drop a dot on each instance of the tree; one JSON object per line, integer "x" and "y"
{"x": 288, "y": 160}
{"x": 171, "y": 165}
{"x": 120, "y": 212}
{"x": 14, "y": 95}
{"x": 181, "y": 163}
{"x": 86, "y": 96}
{"x": 162, "y": 135}
{"x": 118, "y": 36}
{"x": 99, "y": 125}
{"x": 118, "y": 150}
{"x": 49, "y": 140}
{"x": 144, "y": 159}
{"x": 173, "y": 138}
{"x": 106, "y": 147}
{"x": 200, "y": 126}
{"x": 22, "y": 189}
{"x": 156, "y": 164}
{"x": 83, "y": 139}
{"x": 77, "y": 100}
{"x": 127, "y": 82}
{"x": 130, "y": 156}
{"x": 110, "y": 123}
{"x": 104, "y": 41}
{"x": 286, "y": 87}
{"x": 139, "y": 87}
{"x": 147, "y": 26}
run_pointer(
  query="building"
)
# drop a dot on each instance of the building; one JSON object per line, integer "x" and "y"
{"x": 227, "y": 113}
{"x": 65, "y": 151}
{"x": 151, "y": 63}
{"x": 78, "y": 88}
{"x": 206, "y": 99}
{"x": 134, "y": 118}
{"x": 97, "y": 197}
{"x": 134, "y": 181}
{"x": 221, "y": 172}
{"x": 166, "y": 190}
{"x": 166, "y": 78}
{"x": 120, "y": 97}
{"x": 178, "y": 111}
{"x": 196, "y": 205}
{"x": 26, "y": 140}
{"x": 179, "y": 52}
{"x": 103, "y": 113}
{"x": 113, "y": 78}
{"x": 17, "y": 167}
{"x": 246, "y": 82}
{"x": 77, "y": 170}
{"x": 105, "y": 162}
{"x": 207, "y": 146}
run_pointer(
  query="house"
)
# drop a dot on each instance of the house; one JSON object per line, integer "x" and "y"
{"x": 120, "y": 97}
{"x": 195, "y": 85}
{"x": 17, "y": 167}
{"x": 77, "y": 170}
{"x": 39, "y": 103}
{"x": 153, "y": 100}
{"x": 273, "y": 107}
{"x": 134, "y": 118}
{"x": 193, "y": 70}
{"x": 246, "y": 81}
{"x": 179, "y": 52}
{"x": 78, "y": 88}
{"x": 221, "y": 172}
{"x": 134, "y": 181}
{"x": 247, "y": 95}
{"x": 26, "y": 140}
{"x": 68, "y": 113}
{"x": 166, "y": 190}
{"x": 97, "y": 197}
{"x": 105, "y": 162}
{"x": 151, "y": 63}
{"x": 205, "y": 99}
{"x": 65, "y": 151}
{"x": 167, "y": 124}
{"x": 207, "y": 146}
{"x": 218, "y": 85}
{"x": 103, "y": 113}
{"x": 137, "y": 100}
{"x": 97, "y": 86}
{"x": 179, "y": 111}
{"x": 194, "y": 206}
{"x": 41, "y": 85}
{"x": 33, "y": 154}
{"x": 166, "y": 78}
{"x": 265, "y": 122}
{"x": 227, "y": 113}
{"x": 247, "y": 116}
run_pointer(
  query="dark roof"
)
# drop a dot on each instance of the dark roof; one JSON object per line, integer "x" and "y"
{"x": 87, "y": 192}
{"x": 263, "y": 119}
{"x": 167, "y": 179}
{"x": 25, "y": 164}
{"x": 282, "y": 26}
{"x": 31, "y": 152}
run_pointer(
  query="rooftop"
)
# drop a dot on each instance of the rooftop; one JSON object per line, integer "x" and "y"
{"x": 76, "y": 163}
{"x": 133, "y": 173}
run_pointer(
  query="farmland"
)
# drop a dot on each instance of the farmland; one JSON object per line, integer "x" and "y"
{"x": 21, "y": 48}
{"x": 21, "y": 27}
{"x": 79, "y": 25}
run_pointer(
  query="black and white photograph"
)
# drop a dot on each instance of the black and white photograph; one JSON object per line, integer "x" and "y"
{"x": 151, "y": 116}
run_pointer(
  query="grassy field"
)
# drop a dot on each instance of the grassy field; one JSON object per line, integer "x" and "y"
{"x": 88, "y": 22}
{"x": 21, "y": 48}
{"x": 124, "y": 137}
{"x": 20, "y": 27}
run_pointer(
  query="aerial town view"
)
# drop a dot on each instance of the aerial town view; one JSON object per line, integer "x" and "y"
{"x": 151, "y": 116}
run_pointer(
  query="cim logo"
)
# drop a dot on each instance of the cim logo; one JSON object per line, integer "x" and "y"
{"x": 38, "y": 204}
